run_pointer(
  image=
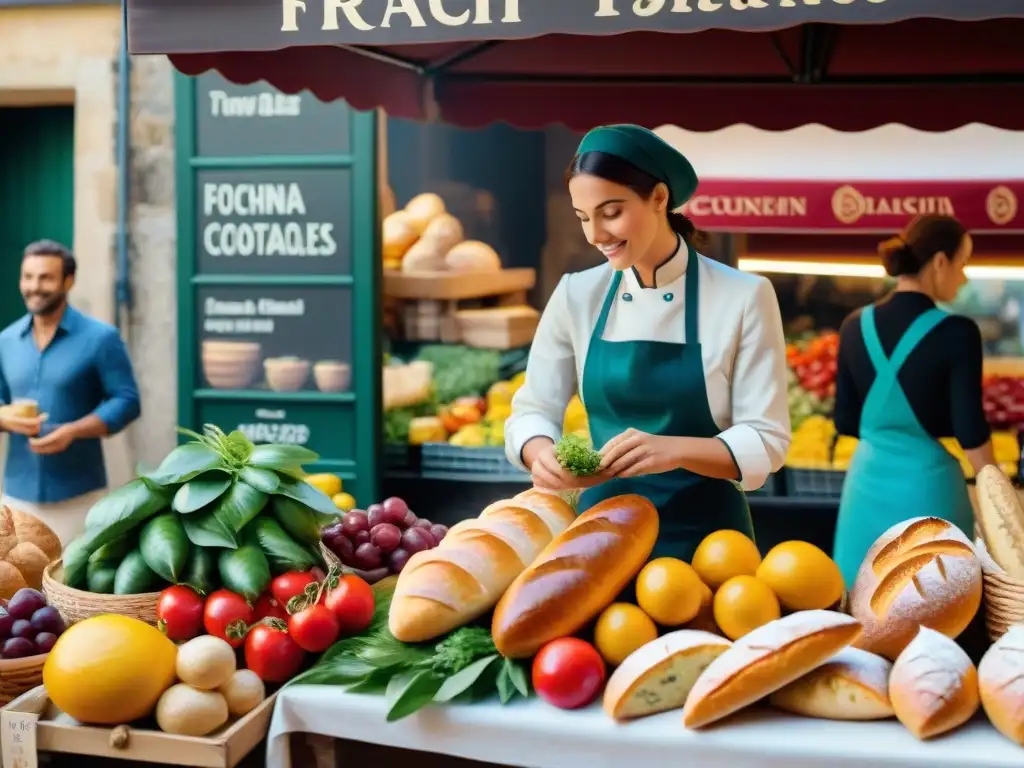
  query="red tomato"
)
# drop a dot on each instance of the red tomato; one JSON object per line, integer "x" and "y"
{"x": 314, "y": 629}
{"x": 179, "y": 613}
{"x": 351, "y": 602}
{"x": 288, "y": 585}
{"x": 227, "y": 616}
{"x": 268, "y": 607}
{"x": 271, "y": 653}
{"x": 568, "y": 673}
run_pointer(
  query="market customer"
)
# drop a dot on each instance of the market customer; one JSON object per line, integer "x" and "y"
{"x": 909, "y": 374}
{"x": 77, "y": 370}
{"x": 679, "y": 360}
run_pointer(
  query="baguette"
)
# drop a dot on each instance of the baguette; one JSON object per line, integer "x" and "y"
{"x": 764, "y": 660}
{"x": 1000, "y": 517}
{"x": 919, "y": 572}
{"x": 852, "y": 685}
{"x": 933, "y": 685}
{"x": 464, "y": 576}
{"x": 1001, "y": 684}
{"x": 576, "y": 576}
{"x": 658, "y": 675}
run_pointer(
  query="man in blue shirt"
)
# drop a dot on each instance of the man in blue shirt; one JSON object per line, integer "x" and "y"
{"x": 77, "y": 370}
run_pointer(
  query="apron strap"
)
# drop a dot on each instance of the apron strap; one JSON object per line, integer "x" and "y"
{"x": 606, "y": 308}
{"x": 691, "y": 309}
{"x": 917, "y": 330}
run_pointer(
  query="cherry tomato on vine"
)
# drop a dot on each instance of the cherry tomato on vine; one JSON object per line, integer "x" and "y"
{"x": 227, "y": 615}
{"x": 271, "y": 653}
{"x": 286, "y": 586}
{"x": 179, "y": 613}
{"x": 352, "y": 604}
{"x": 314, "y": 629}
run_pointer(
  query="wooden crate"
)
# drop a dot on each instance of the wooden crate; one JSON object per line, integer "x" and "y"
{"x": 456, "y": 286}
{"x": 31, "y": 723}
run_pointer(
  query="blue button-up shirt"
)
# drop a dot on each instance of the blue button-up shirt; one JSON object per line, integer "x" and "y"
{"x": 84, "y": 370}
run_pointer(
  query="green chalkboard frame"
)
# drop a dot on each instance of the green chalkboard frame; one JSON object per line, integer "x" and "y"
{"x": 362, "y": 472}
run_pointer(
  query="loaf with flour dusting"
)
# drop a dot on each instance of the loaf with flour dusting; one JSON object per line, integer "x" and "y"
{"x": 919, "y": 572}
{"x": 764, "y": 660}
{"x": 933, "y": 685}
{"x": 465, "y": 576}
{"x": 852, "y": 685}
{"x": 1001, "y": 684}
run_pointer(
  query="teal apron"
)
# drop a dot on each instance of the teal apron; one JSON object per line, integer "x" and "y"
{"x": 898, "y": 470}
{"x": 659, "y": 387}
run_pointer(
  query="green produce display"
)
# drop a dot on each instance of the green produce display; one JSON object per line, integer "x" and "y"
{"x": 577, "y": 455}
{"x": 217, "y": 511}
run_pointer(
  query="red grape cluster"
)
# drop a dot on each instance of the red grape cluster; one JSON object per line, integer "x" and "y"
{"x": 381, "y": 540}
{"x": 28, "y": 626}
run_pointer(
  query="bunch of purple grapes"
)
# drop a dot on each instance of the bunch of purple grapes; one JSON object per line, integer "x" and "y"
{"x": 380, "y": 541}
{"x": 28, "y": 626}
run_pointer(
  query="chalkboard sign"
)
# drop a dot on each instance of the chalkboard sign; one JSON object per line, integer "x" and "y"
{"x": 278, "y": 266}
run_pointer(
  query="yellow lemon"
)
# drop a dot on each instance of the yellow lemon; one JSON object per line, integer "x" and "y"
{"x": 620, "y": 630}
{"x": 669, "y": 591}
{"x": 109, "y": 669}
{"x": 344, "y": 501}
{"x": 329, "y": 484}
{"x": 803, "y": 577}
{"x": 724, "y": 554}
{"x": 743, "y": 604}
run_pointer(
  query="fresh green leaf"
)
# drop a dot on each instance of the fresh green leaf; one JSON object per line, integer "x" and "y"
{"x": 281, "y": 550}
{"x": 463, "y": 681}
{"x": 204, "y": 529}
{"x": 239, "y": 505}
{"x": 296, "y": 518}
{"x": 281, "y": 457}
{"x": 486, "y": 684}
{"x": 376, "y": 682}
{"x": 114, "y": 515}
{"x": 417, "y": 691}
{"x": 517, "y": 675}
{"x": 185, "y": 463}
{"x": 306, "y": 494}
{"x": 341, "y": 670}
{"x": 245, "y": 571}
{"x": 261, "y": 479}
{"x": 201, "y": 571}
{"x": 506, "y": 688}
{"x": 200, "y": 492}
{"x": 164, "y": 546}
{"x": 113, "y": 552}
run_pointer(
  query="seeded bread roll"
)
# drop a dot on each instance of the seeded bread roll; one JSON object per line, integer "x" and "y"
{"x": 933, "y": 686}
{"x": 852, "y": 685}
{"x": 920, "y": 572}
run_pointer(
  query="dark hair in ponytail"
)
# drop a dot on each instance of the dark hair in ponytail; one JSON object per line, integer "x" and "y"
{"x": 616, "y": 170}
{"x": 923, "y": 238}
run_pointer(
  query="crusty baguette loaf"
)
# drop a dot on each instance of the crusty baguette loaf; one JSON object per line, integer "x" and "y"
{"x": 766, "y": 659}
{"x": 576, "y": 576}
{"x": 1001, "y": 684}
{"x": 658, "y": 675}
{"x": 933, "y": 685}
{"x": 462, "y": 578}
{"x": 852, "y": 685}
{"x": 1000, "y": 516}
{"x": 919, "y": 572}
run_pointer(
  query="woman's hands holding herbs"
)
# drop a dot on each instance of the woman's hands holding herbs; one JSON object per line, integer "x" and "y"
{"x": 633, "y": 453}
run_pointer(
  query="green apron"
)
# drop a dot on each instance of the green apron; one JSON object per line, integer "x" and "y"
{"x": 659, "y": 387}
{"x": 898, "y": 470}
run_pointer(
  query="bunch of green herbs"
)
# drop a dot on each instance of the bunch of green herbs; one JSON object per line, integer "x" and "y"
{"x": 577, "y": 455}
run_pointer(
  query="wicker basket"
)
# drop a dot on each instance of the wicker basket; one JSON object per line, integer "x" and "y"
{"x": 1004, "y": 595}
{"x": 18, "y": 676}
{"x": 76, "y": 604}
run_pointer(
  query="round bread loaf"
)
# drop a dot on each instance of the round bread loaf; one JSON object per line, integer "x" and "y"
{"x": 933, "y": 685}
{"x": 423, "y": 208}
{"x": 852, "y": 685}
{"x": 473, "y": 256}
{"x": 1001, "y": 683}
{"x": 399, "y": 233}
{"x": 921, "y": 572}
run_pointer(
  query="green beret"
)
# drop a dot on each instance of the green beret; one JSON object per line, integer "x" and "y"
{"x": 645, "y": 150}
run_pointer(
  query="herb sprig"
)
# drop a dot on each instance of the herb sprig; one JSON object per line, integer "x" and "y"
{"x": 577, "y": 455}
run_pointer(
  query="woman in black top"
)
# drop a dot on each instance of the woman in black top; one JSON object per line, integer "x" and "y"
{"x": 909, "y": 374}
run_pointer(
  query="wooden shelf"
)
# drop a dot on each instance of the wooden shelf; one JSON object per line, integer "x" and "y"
{"x": 454, "y": 286}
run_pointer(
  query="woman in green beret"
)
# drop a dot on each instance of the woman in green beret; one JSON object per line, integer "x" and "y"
{"x": 679, "y": 360}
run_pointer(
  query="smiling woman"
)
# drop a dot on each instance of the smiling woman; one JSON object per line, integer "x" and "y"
{"x": 679, "y": 360}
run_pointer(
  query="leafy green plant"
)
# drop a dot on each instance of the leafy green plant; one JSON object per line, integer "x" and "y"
{"x": 577, "y": 456}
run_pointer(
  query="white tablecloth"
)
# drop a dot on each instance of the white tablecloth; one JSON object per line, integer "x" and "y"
{"x": 531, "y": 733}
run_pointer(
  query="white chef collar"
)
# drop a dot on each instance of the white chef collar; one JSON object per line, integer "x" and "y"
{"x": 670, "y": 270}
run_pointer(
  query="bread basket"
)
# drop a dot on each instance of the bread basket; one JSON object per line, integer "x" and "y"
{"x": 18, "y": 676}
{"x": 1003, "y": 595}
{"x": 76, "y": 604}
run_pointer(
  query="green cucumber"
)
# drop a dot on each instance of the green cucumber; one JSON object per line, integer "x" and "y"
{"x": 164, "y": 544}
{"x": 134, "y": 577}
{"x": 298, "y": 520}
{"x": 245, "y": 571}
{"x": 283, "y": 552}
{"x": 201, "y": 572}
{"x": 100, "y": 577}
{"x": 113, "y": 552}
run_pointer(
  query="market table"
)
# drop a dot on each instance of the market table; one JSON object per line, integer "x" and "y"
{"x": 531, "y": 733}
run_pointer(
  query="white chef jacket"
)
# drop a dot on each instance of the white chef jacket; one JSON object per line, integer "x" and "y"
{"x": 742, "y": 346}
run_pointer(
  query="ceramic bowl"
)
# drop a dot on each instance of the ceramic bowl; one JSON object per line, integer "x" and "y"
{"x": 230, "y": 364}
{"x": 286, "y": 374}
{"x": 332, "y": 376}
